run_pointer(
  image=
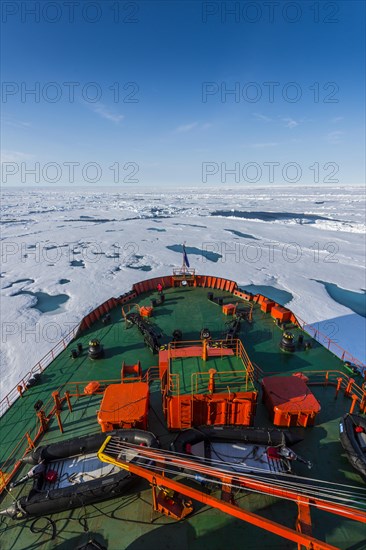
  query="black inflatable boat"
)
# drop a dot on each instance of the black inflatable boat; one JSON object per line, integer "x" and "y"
{"x": 69, "y": 474}
{"x": 239, "y": 448}
{"x": 352, "y": 433}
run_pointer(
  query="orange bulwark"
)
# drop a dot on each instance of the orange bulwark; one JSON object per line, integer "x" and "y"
{"x": 244, "y": 295}
{"x": 289, "y": 401}
{"x": 124, "y": 406}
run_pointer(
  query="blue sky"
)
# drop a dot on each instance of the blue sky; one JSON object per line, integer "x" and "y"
{"x": 165, "y": 56}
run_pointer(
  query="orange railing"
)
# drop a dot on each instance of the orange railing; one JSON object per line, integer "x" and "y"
{"x": 218, "y": 344}
{"x": 330, "y": 344}
{"x": 85, "y": 323}
{"x": 13, "y": 395}
{"x": 322, "y": 338}
{"x": 28, "y": 439}
{"x": 335, "y": 378}
{"x": 200, "y": 379}
{"x": 224, "y": 382}
{"x": 27, "y": 442}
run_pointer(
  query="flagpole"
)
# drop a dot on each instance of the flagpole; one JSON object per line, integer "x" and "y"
{"x": 185, "y": 259}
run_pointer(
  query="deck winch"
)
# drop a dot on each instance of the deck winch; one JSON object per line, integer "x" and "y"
{"x": 287, "y": 342}
{"x": 95, "y": 350}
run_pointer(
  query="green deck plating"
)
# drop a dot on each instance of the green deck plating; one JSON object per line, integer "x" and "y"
{"x": 126, "y": 522}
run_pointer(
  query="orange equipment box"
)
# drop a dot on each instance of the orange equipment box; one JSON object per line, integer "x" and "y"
{"x": 281, "y": 313}
{"x": 146, "y": 311}
{"x": 267, "y": 305}
{"x": 228, "y": 309}
{"x": 124, "y": 406}
{"x": 289, "y": 401}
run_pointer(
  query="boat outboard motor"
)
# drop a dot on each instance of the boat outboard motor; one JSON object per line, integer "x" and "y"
{"x": 37, "y": 470}
{"x": 288, "y": 454}
{"x": 14, "y": 511}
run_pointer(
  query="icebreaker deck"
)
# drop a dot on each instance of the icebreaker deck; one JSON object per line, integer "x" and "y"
{"x": 181, "y": 369}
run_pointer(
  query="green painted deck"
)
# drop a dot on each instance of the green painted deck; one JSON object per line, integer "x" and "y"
{"x": 230, "y": 371}
{"x": 126, "y": 522}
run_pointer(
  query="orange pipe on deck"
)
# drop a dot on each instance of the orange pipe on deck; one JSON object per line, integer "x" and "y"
{"x": 58, "y": 417}
{"x": 211, "y": 382}
{"x": 353, "y": 404}
{"x": 68, "y": 401}
{"x": 349, "y": 386}
{"x": 339, "y": 383}
{"x": 56, "y": 398}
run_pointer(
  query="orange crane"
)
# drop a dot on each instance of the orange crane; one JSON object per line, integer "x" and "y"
{"x": 112, "y": 452}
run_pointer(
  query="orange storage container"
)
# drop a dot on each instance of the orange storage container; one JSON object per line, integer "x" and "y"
{"x": 289, "y": 401}
{"x": 124, "y": 406}
{"x": 281, "y": 313}
{"x": 228, "y": 309}
{"x": 267, "y": 305}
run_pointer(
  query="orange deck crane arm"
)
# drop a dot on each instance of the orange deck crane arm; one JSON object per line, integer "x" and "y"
{"x": 154, "y": 478}
{"x": 170, "y": 459}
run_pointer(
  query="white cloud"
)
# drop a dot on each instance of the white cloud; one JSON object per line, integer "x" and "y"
{"x": 336, "y": 119}
{"x": 102, "y": 111}
{"x": 14, "y": 156}
{"x": 263, "y": 145}
{"x": 259, "y": 116}
{"x": 11, "y": 121}
{"x": 290, "y": 123}
{"x": 186, "y": 127}
{"x": 334, "y": 137}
